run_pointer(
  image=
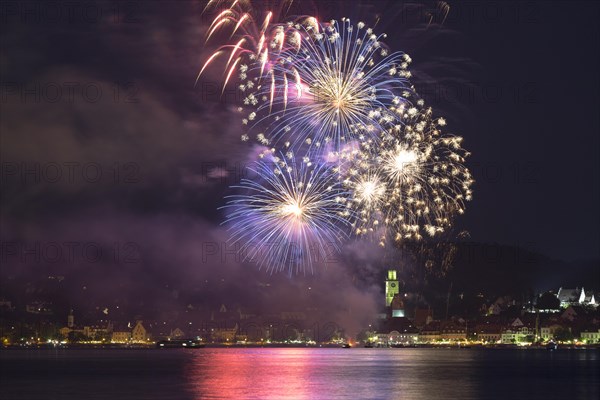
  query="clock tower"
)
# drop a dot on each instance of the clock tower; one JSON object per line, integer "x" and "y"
{"x": 391, "y": 287}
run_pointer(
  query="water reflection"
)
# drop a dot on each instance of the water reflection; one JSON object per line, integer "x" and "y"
{"x": 251, "y": 373}
{"x": 330, "y": 373}
{"x": 153, "y": 374}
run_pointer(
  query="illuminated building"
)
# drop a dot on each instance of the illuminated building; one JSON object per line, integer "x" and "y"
{"x": 139, "y": 334}
{"x": 591, "y": 337}
{"x": 575, "y": 296}
{"x": 522, "y": 334}
{"x": 547, "y": 332}
{"x": 391, "y": 287}
{"x": 121, "y": 336}
{"x": 488, "y": 332}
{"x": 392, "y": 295}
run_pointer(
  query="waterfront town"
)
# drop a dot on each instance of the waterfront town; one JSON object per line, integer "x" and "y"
{"x": 564, "y": 317}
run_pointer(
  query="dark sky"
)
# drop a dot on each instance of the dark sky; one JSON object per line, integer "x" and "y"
{"x": 535, "y": 148}
{"x": 107, "y": 88}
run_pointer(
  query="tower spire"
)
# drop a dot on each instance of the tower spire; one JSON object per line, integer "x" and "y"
{"x": 391, "y": 286}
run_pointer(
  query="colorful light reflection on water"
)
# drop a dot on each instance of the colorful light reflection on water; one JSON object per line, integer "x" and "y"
{"x": 307, "y": 373}
{"x": 299, "y": 373}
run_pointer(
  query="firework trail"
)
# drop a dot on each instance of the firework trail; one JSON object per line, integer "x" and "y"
{"x": 307, "y": 83}
{"x": 252, "y": 39}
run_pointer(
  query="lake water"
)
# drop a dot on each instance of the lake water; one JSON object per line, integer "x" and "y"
{"x": 300, "y": 373}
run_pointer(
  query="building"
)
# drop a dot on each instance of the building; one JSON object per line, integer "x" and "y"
{"x": 488, "y": 333}
{"x": 410, "y": 335}
{"x": 176, "y": 334}
{"x": 139, "y": 334}
{"x": 523, "y": 334}
{"x": 453, "y": 331}
{"x": 380, "y": 339}
{"x": 225, "y": 335}
{"x": 405, "y": 337}
{"x": 590, "y": 299}
{"x": 577, "y": 296}
{"x": 391, "y": 287}
{"x": 501, "y": 304}
{"x": 443, "y": 331}
{"x": 591, "y": 337}
{"x": 403, "y": 329}
{"x": 431, "y": 332}
{"x": 72, "y": 331}
{"x": 98, "y": 332}
{"x": 573, "y": 313}
{"x": 397, "y": 306}
{"x": 547, "y": 331}
{"x": 121, "y": 336}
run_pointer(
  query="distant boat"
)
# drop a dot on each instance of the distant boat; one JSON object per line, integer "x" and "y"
{"x": 180, "y": 344}
{"x": 346, "y": 346}
{"x": 551, "y": 346}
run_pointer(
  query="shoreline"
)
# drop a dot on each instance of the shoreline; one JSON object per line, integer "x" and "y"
{"x": 294, "y": 346}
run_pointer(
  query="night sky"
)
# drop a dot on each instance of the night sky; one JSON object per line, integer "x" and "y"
{"x": 109, "y": 89}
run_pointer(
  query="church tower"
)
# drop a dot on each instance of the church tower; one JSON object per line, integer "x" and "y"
{"x": 391, "y": 287}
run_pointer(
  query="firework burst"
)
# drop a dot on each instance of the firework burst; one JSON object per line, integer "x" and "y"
{"x": 375, "y": 161}
{"x": 422, "y": 180}
{"x": 288, "y": 217}
{"x": 311, "y": 84}
{"x": 339, "y": 85}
